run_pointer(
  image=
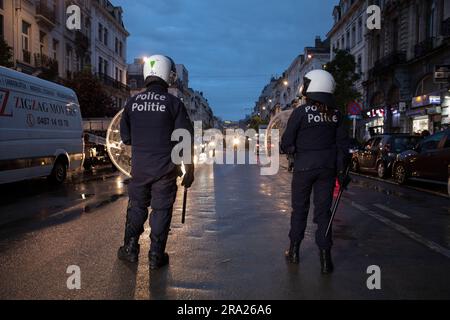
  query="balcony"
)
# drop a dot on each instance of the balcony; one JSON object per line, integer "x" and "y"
{"x": 423, "y": 47}
{"x": 392, "y": 59}
{"x": 445, "y": 28}
{"x": 111, "y": 82}
{"x": 44, "y": 62}
{"x": 45, "y": 15}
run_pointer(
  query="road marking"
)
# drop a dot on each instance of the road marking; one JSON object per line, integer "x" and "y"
{"x": 411, "y": 234}
{"x": 392, "y": 211}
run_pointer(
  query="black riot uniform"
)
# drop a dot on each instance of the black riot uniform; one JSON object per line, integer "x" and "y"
{"x": 147, "y": 124}
{"x": 318, "y": 137}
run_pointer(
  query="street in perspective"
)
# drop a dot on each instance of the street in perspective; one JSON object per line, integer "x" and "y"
{"x": 177, "y": 151}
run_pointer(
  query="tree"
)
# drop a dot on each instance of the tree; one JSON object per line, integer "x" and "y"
{"x": 50, "y": 71}
{"x": 343, "y": 67}
{"x": 94, "y": 100}
{"x": 6, "y": 54}
{"x": 255, "y": 122}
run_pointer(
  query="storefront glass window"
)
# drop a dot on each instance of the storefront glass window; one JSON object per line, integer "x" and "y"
{"x": 421, "y": 124}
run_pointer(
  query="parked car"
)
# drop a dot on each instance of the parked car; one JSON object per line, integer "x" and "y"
{"x": 41, "y": 131}
{"x": 379, "y": 153}
{"x": 428, "y": 161}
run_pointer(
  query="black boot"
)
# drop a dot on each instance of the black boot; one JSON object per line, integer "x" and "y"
{"x": 130, "y": 250}
{"x": 292, "y": 255}
{"x": 157, "y": 260}
{"x": 326, "y": 262}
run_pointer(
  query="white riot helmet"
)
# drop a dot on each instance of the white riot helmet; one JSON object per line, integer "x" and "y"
{"x": 319, "y": 85}
{"x": 161, "y": 67}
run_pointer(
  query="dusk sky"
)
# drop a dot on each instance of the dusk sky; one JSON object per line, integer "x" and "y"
{"x": 231, "y": 48}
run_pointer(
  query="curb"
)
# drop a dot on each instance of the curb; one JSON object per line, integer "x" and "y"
{"x": 435, "y": 193}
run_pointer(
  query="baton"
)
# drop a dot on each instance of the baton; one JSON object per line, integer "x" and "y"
{"x": 183, "y": 213}
{"x": 336, "y": 204}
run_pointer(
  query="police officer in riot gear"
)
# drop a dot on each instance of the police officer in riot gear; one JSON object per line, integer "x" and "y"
{"x": 318, "y": 137}
{"x": 147, "y": 123}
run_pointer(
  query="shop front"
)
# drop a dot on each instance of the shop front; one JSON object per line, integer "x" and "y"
{"x": 426, "y": 113}
{"x": 445, "y": 121}
{"x": 374, "y": 122}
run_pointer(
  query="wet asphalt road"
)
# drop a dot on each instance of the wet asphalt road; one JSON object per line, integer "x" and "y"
{"x": 231, "y": 246}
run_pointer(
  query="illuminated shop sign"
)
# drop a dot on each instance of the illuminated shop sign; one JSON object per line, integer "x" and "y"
{"x": 375, "y": 113}
{"x": 425, "y": 100}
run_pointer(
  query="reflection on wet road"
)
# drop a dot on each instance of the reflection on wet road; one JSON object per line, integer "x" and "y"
{"x": 231, "y": 246}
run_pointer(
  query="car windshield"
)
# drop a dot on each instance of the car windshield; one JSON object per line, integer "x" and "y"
{"x": 401, "y": 144}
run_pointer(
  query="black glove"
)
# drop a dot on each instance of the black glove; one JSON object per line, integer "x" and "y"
{"x": 188, "y": 178}
{"x": 343, "y": 179}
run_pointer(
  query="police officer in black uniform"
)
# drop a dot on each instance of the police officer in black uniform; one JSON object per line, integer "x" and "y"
{"x": 147, "y": 123}
{"x": 318, "y": 137}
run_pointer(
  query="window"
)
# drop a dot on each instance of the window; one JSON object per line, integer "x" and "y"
{"x": 100, "y": 31}
{"x": 447, "y": 142}
{"x": 42, "y": 46}
{"x": 432, "y": 142}
{"x": 359, "y": 65}
{"x": 353, "y": 35}
{"x": 117, "y": 74}
{"x": 26, "y": 42}
{"x": 2, "y": 34}
{"x": 430, "y": 18}
{"x": 55, "y": 49}
{"x": 117, "y": 46}
{"x": 69, "y": 58}
{"x": 120, "y": 102}
{"x": 348, "y": 40}
{"x": 78, "y": 64}
{"x": 100, "y": 64}
{"x": 87, "y": 25}
{"x": 395, "y": 31}
{"x": 360, "y": 29}
{"x": 120, "y": 76}
{"x": 120, "y": 49}
{"x": 369, "y": 144}
{"x": 377, "y": 143}
{"x": 26, "y": 35}
{"x": 377, "y": 48}
{"x": 105, "y": 36}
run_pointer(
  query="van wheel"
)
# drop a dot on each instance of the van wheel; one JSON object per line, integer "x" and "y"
{"x": 381, "y": 170}
{"x": 59, "y": 173}
{"x": 400, "y": 174}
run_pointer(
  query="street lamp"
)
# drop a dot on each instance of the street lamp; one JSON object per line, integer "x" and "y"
{"x": 310, "y": 56}
{"x": 286, "y": 83}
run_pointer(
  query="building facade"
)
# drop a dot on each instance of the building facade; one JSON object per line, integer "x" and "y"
{"x": 349, "y": 33}
{"x": 36, "y": 30}
{"x": 280, "y": 93}
{"x": 401, "y": 90}
{"x": 109, "y": 47}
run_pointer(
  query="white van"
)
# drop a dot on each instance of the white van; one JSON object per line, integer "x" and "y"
{"x": 41, "y": 129}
